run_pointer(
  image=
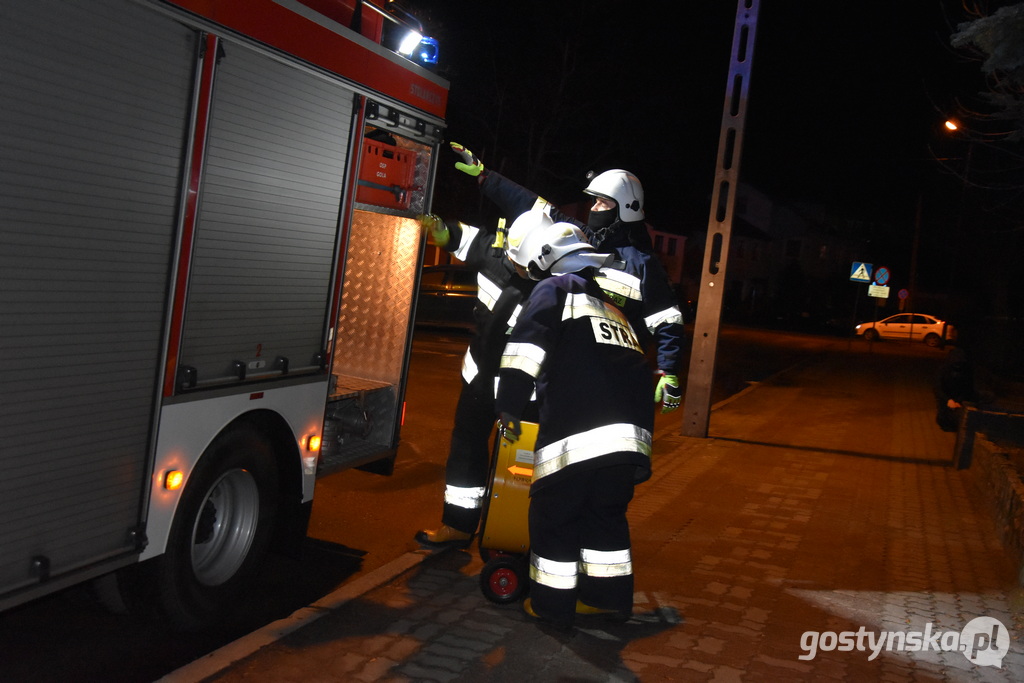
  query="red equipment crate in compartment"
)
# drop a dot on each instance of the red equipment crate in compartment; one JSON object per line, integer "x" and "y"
{"x": 386, "y": 175}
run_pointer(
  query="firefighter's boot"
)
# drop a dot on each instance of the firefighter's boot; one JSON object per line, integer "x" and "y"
{"x": 588, "y": 611}
{"x": 444, "y": 537}
{"x": 531, "y": 615}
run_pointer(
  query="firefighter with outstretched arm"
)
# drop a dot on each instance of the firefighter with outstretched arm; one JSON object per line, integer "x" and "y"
{"x": 636, "y": 280}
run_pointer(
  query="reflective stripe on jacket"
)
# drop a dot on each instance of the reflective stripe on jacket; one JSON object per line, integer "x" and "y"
{"x": 593, "y": 443}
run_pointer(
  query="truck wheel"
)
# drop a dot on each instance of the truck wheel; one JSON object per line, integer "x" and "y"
{"x": 221, "y": 530}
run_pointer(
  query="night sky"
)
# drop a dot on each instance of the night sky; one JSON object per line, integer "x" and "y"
{"x": 841, "y": 104}
{"x": 846, "y": 103}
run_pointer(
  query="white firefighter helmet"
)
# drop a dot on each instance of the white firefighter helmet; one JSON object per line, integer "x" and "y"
{"x": 557, "y": 249}
{"x": 624, "y": 189}
{"x": 523, "y": 225}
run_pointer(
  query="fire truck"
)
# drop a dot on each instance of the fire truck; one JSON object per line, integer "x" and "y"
{"x": 208, "y": 253}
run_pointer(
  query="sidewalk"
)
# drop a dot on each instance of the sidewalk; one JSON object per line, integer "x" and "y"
{"x": 820, "y": 519}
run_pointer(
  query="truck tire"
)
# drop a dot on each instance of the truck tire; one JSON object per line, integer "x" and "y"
{"x": 221, "y": 530}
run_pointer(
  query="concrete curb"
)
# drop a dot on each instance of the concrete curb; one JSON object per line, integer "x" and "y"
{"x": 999, "y": 483}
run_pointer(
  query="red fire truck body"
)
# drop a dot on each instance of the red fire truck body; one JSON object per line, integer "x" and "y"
{"x": 209, "y": 253}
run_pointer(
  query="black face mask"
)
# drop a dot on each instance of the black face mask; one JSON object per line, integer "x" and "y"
{"x": 599, "y": 224}
{"x": 602, "y": 219}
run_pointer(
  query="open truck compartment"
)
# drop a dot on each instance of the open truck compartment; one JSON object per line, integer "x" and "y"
{"x": 371, "y": 340}
{"x": 373, "y": 333}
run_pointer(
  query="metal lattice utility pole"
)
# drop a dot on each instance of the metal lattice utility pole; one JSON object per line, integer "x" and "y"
{"x": 697, "y": 403}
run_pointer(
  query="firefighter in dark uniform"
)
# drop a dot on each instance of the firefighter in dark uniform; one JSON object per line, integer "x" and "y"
{"x": 593, "y": 384}
{"x": 501, "y": 292}
{"x": 636, "y": 280}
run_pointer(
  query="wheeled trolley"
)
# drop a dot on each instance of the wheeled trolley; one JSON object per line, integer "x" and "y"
{"x": 505, "y": 536}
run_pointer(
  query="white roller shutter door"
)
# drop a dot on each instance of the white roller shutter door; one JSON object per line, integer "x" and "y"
{"x": 268, "y": 220}
{"x": 93, "y": 121}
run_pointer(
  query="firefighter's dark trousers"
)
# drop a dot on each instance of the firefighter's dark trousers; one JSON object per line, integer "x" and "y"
{"x": 468, "y": 466}
{"x": 579, "y": 543}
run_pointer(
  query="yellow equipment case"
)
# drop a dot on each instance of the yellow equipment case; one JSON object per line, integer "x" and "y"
{"x": 505, "y": 536}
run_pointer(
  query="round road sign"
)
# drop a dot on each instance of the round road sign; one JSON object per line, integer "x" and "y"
{"x": 881, "y": 275}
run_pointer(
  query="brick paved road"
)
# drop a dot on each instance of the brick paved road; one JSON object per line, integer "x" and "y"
{"x": 821, "y": 511}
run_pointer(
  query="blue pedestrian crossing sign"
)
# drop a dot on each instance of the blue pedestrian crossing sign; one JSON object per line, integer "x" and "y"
{"x": 861, "y": 272}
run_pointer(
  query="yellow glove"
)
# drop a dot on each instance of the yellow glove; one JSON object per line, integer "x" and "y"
{"x": 469, "y": 165}
{"x": 436, "y": 228}
{"x": 668, "y": 393}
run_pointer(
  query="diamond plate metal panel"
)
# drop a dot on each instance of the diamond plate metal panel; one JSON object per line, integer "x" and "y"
{"x": 377, "y": 293}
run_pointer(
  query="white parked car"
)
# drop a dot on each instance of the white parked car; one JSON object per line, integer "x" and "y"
{"x": 916, "y": 326}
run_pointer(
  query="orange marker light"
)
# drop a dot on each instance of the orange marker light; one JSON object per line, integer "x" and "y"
{"x": 173, "y": 479}
{"x": 314, "y": 443}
